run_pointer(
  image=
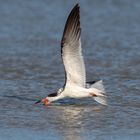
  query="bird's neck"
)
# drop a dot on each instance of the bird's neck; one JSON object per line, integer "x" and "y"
{"x": 55, "y": 98}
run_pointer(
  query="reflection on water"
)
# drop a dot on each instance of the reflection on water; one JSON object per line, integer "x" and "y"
{"x": 31, "y": 68}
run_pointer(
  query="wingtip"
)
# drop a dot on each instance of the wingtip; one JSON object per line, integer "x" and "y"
{"x": 77, "y": 6}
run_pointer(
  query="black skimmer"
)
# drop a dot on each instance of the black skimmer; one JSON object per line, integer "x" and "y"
{"x": 75, "y": 78}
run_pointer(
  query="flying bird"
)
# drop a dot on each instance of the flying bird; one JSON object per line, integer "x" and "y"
{"x": 75, "y": 85}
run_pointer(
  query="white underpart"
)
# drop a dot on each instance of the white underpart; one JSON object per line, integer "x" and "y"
{"x": 74, "y": 91}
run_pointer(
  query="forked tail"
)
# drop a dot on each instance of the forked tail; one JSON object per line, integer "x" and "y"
{"x": 99, "y": 90}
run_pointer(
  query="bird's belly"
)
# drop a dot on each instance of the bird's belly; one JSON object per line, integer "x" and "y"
{"x": 76, "y": 93}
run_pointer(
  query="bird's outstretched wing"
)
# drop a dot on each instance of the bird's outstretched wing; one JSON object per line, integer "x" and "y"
{"x": 71, "y": 50}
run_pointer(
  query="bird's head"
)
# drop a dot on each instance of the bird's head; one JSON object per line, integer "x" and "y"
{"x": 47, "y": 100}
{"x": 50, "y": 98}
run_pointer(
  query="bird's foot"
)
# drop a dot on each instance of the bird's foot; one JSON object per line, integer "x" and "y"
{"x": 92, "y": 94}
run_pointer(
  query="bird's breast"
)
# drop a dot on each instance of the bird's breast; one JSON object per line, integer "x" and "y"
{"x": 75, "y": 92}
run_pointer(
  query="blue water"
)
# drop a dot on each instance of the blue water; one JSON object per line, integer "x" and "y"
{"x": 31, "y": 68}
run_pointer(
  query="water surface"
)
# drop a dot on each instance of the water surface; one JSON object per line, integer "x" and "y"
{"x": 31, "y": 68}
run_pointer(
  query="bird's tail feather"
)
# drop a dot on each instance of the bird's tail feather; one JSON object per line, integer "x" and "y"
{"x": 101, "y": 100}
{"x": 99, "y": 91}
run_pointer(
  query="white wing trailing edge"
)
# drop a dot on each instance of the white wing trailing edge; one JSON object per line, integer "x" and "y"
{"x": 71, "y": 51}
